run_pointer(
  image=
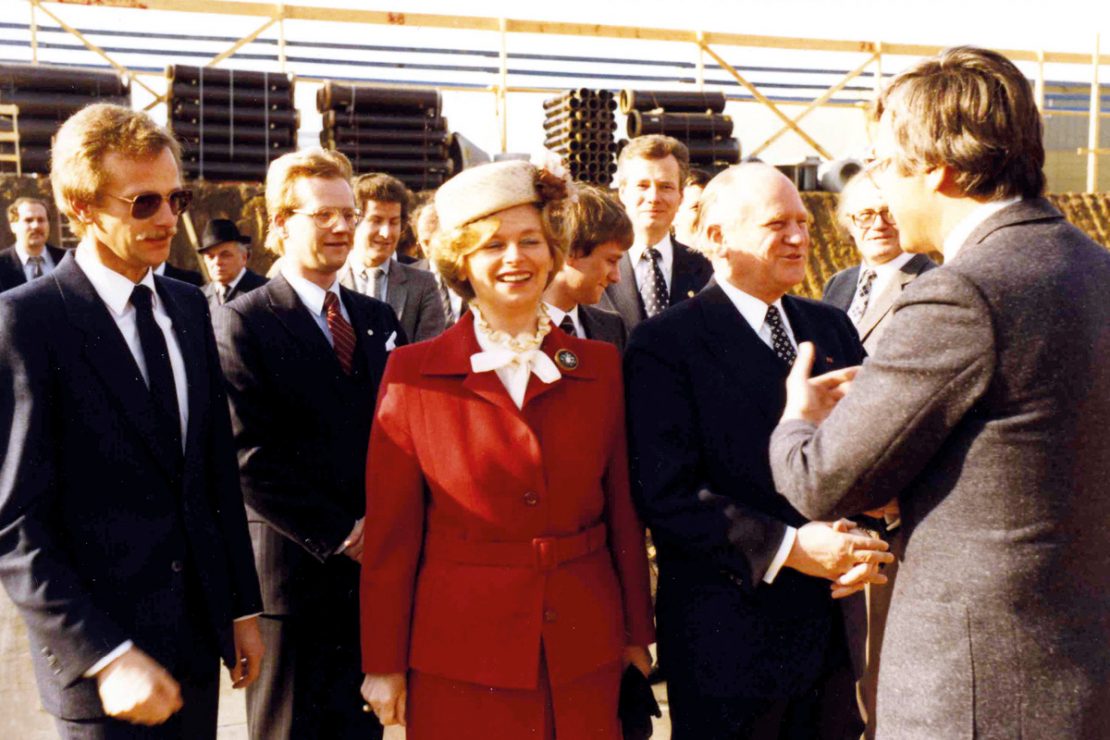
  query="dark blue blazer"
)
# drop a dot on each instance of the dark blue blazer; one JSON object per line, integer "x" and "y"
{"x": 704, "y": 393}
{"x": 11, "y": 269}
{"x": 107, "y": 533}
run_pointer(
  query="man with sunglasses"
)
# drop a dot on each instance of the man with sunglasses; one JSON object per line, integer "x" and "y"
{"x": 303, "y": 357}
{"x": 123, "y": 539}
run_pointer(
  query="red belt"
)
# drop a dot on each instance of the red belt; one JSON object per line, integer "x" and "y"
{"x": 542, "y": 553}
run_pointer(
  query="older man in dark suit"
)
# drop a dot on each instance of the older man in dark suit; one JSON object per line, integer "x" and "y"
{"x": 123, "y": 541}
{"x": 225, "y": 253}
{"x": 750, "y": 639}
{"x": 985, "y": 409}
{"x": 30, "y": 257}
{"x": 657, "y": 272}
{"x": 303, "y": 358}
{"x": 601, "y": 234}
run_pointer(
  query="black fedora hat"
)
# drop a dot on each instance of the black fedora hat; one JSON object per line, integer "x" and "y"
{"x": 218, "y": 231}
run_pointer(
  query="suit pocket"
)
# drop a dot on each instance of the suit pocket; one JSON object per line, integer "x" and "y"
{"x": 926, "y": 682}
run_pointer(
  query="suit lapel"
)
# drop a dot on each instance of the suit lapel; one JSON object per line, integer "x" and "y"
{"x": 805, "y": 330}
{"x": 12, "y": 268}
{"x": 295, "y": 316}
{"x": 587, "y": 323}
{"x": 367, "y": 340}
{"x": 624, "y": 295}
{"x": 191, "y": 342}
{"x": 397, "y": 291}
{"x": 110, "y": 357}
{"x": 684, "y": 274}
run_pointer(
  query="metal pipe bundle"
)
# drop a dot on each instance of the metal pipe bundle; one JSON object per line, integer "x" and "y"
{"x": 46, "y": 97}
{"x": 694, "y": 118}
{"x": 231, "y": 123}
{"x": 399, "y": 131}
{"x": 579, "y": 126}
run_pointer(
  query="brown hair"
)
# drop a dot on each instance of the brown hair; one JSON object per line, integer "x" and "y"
{"x": 77, "y": 174}
{"x": 971, "y": 110}
{"x": 699, "y": 178}
{"x": 13, "y": 207}
{"x": 282, "y": 177}
{"x": 595, "y": 219}
{"x": 382, "y": 188}
{"x": 655, "y": 146}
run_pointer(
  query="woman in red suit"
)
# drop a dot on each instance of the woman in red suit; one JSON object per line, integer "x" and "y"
{"x": 504, "y": 576}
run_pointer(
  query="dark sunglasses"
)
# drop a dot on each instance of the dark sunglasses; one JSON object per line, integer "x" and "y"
{"x": 145, "y": 205}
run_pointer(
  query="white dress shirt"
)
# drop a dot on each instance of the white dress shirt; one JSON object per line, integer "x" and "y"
{"x": 641, "y": 263}
{"x": 754, "y": 312}
{"x": 312, "y": 296}
{"x": 885, "y": 274}
{"x": 513, "y": 368}
{"x": 362, "y": 273}
{"x": 29, "y": 269}
{"x": 557, "y": 315}
{"x": 956, "y": 238}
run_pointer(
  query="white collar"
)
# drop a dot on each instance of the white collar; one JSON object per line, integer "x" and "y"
{"x": 24, "y": 255}
{"x": 751, "y": 308}
{"x": 311, "y": 294}
{"x": 160, "y": 270}
{"x": 888, "y": 267}
{"x": 557, "y": 313}
{"x": 113, "y": 288}
{"x": 956, "y": 239}
{"x": 664, "y": 245}
{"x": 235, "y": 281}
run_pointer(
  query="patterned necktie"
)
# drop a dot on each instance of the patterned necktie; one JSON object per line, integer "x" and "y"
{"x": 36, "y": 266}
{"x": 374, "y": 282}
{"x": 863, "y": 293}
{"x": 221, "y": 293}
{"x": 342, "y": 335}
{"x": 654, "y": 289}
{"x": 445, "y": 297}
{"x": 163, "y": 390}
{"x": 567, "y": 325}
{"x": 780, "y": 342}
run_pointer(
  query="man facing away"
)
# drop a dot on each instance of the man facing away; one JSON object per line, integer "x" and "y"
{"x": 30, "y": 257}
{"x": 985, "y": 410}
{"x": 123, "y": 541}
{"x": 601, "y": 234}
{"x": 226, "y": 253}
{"x": 750, "y": 639}
{"x": 303, "y": 357}
{"x": 657, "y": 272}
{"x": 372, "y": 268}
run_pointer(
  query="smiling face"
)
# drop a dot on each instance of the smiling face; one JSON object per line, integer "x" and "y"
{"x": 651, "y": 190}
{"x": 876, "y": 239}
{"x": 378, "y": 232}
{"x": 510, "y": 271}
{"x": 125, "y": 244}
{"x": 586, "y": 278}
{"x": 318, "y": 253}
{"x": 31, "y": 227}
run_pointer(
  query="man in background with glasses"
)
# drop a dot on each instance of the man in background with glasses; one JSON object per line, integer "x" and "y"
{"x": 123, "y": 540}
{"x": 867, "y": 293}
{"x": 303, "y": 357}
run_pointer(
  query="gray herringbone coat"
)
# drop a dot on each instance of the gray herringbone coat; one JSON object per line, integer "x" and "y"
{"x": 986, "y": 409}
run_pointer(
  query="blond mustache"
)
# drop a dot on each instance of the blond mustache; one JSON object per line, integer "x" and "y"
{"x": 157, "y": 235}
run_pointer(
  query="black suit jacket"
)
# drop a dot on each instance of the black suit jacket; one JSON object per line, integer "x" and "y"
{"x": 246, "y": 284}
{"x": 603, "y": 325}
{"x": 690, "y": 272}
{"x": 192, "y": 277}
{"x": 11, "y": 269}
{"x": 704, "y": 393}
{"x": 301, "y": 428}
{"x": 105, "y": 534}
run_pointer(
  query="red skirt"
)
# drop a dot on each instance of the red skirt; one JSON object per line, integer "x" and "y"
{"x": 584, "y": 708}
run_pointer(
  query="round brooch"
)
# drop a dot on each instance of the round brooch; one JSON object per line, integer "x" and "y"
{"x": 566, "y": 359}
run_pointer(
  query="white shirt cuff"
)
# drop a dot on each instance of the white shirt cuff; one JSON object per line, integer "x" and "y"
{"x": 780, "y": 556}
{"x": 247, "y": 616}
{"x": 99, "y": 665}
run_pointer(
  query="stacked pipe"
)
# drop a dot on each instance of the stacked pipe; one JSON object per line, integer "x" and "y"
{"x": 578, "y": 126}
{"x": 399, "y": 131}
{"x": 231, "y": 123}
{"x": 695, "y": 118}
{"x": 46, "y": 97}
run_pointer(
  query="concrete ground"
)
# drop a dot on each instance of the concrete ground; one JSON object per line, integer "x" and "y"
{"x": 21, "y": 715}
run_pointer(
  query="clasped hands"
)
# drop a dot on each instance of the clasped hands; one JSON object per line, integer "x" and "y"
{"x": 841, "y": 553}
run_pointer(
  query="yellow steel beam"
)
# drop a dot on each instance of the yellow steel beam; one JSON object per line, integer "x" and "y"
{"x": 817, "y": 102}
{"x": 1093, "y": 122}
{"x": 241, "y": 43}
{"x": 766, "y": 101}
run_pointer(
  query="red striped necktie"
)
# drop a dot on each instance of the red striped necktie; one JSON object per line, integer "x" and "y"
{"x": 342, "y": 335}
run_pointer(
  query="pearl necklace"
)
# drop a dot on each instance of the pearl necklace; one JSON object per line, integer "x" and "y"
{"x": 521, "y": 342}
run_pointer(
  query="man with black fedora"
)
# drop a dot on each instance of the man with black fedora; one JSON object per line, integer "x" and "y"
{"x": 226, "y": 252}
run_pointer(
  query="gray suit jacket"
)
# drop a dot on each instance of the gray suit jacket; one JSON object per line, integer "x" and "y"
{"x": 985, "y": 410}
{"x": 603, "y": 325}
{"x": 413, "y": 295}
{"x": 841, "y": 288}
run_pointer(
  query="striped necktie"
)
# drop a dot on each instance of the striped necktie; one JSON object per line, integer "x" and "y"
{"x": 342, "y": 335}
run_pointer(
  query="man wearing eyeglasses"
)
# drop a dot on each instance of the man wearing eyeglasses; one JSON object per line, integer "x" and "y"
{"x": 123, "y": 540}
{"x": 303, "y": 357}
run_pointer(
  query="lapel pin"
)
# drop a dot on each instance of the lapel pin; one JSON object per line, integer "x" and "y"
{"x": 689, "y": 294}
{"x": 370, "y": 332}
{"x": 829, "y": 359}
{"x": 566, "y": 359}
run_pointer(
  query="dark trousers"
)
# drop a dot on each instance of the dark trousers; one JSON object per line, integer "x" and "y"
{"x": 310, "y": 682}
{"x": 196, "y": 720}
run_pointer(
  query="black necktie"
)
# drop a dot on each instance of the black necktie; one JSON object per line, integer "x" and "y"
{"x": 163, "y": 390}
{"x": 780, "y": 343}
{"x": 567, "y": 325}
{"x": 654, "y": 289}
